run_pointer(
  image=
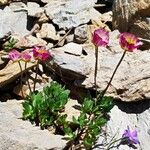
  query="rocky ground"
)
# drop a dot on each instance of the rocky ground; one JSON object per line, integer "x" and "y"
{"x": 65, "y": 27}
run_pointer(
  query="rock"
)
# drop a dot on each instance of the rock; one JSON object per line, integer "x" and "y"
{"x": 3, "y": 60}
{"x": 12, "y": 71}
{"x": 81, "y": 34}
{"x": 70, "y": 38}
{"x": 43, "y": 18}
{"x": 70, "y": 109}
{"x": 34, "y": 9}
{"x": 48, "y": 31}
{"x": 107, "y": 17}
{"x": 18, "y": 6}
{"x": 46, "y": 1}
{"x": 69, "y": 67}
{"x": 68, "y": 14}
{"x": 134, "y": 115}
{"x": 17, "y": 134}
{"x": 50, "y": 45}
{"x": 133, "y": 18}
{"x": 73, "y": 48}
{"x": 12, "y": 22}
{"x": 28, "y": 41}
{"x": 128, "y": 84}
{"x": 4, "y": 2}
{"x": 62, "y": 32}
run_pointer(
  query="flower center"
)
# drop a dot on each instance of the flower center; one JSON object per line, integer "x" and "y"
{"x": 131, "y": 41}
{"x": 41, "y": 51}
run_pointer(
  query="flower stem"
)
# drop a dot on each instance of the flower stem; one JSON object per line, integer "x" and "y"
{"x": 105, "y": 90}
{"x": 27, "y": 78}
{"x": 96, "y": 66}
{"x": 110, "y": 144}
{"x": 37, "y": 66}
{"x": 21, "y": 78}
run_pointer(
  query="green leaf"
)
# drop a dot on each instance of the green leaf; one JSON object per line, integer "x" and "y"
{"x": 75, "y": 121}
{"x": 37, "y": 101}
{"x": 27, "y": 110}
{"x": 82, "y": 119}
{"x": 100, "y": 121}
{"x": 106, "y": 104}
{"x": 62, "y": 120}
{"x": 7, "y": 46}
{"x": 87, "y": 105}
{"x": 88, "y": 142}
{"x": 68, "y": 131}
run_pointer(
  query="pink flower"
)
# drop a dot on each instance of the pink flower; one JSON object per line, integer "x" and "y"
{"x": 14, "y": 55}
{"x": 25, "y": 56}
{"x": 100, "y": 37}
{"x": 129, "y": 42}
{"x": 40, "y": 53}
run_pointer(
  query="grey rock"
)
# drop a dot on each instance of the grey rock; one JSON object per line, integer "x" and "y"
{"x": 129, "y": 84}
{"x": 69, "y": 67}
{"x": 73, "y": 48}
{"x": 62, "y": 32}
{"x": 68, "y": 14}
{"x": 70, "y": 38}
{"x": 48, "y": 31}
{"x": 81, "y": 34}
{"x": 17, "y": 134}
{"x": 13, "y": 22}
{"x": 29, "y": 41}
{"x": 34, "y": 9}
{"x": 43, "y": 18}
{"x": 17, "y": 6}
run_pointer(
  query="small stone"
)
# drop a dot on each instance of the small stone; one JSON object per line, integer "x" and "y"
{"x": 34, "y": 9}
{"x": 62, "y": 32}
{"x": 73, "y": 48}
{"x": 81, "y": 34}
{"x": 29, "y": 41}
{"x": 48, "y": 31}
{"x": 107, "y": 17}
{"x": 70, "y": 38}
{"x": 17, "y": 6}
{"x": 49, "y": 45}
{"x": 43, "y": 18}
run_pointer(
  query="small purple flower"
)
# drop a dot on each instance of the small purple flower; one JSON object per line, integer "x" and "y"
{"x": 100, "y": 37}
{"x": 131, "y": 136}
{"x": 14, "y": 55}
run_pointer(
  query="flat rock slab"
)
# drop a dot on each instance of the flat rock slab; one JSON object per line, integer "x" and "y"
{"x": 17, "y": 134}
{"x": 68, "y": 14}
{"x": 12, "y": 22}
{"x": 12, "y": 71}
